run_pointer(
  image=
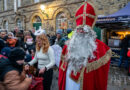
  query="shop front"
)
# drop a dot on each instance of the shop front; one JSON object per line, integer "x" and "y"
{"x": 114, "y": 42}
{"x": 117, "y": 27}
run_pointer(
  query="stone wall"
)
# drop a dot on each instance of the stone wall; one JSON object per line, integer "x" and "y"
{"x": 26, "y": 2}
{"x": 1, "y": 5}
{"x": 10, "y": 4}
{"x": 53, "y": 7}
{"x": 106, "y": 7}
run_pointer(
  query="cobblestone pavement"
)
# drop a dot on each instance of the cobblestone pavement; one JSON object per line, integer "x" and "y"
{"x": 118, "y": 79}
{"x": 54, "y": 85}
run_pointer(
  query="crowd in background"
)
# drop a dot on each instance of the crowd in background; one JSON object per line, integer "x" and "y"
{"x": 27, "y": 40}
{"x": 36, "y": 49}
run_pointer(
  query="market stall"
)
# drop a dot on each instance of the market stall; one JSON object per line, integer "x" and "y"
{"x": 117, "y": 26}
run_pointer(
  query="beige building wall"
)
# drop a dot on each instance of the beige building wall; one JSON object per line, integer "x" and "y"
{"x": 29, "y": 10}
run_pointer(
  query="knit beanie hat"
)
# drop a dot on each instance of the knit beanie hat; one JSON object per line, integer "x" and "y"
{"x": 10, "y": 33}
{"x": 28, "y": 58}
{"x": 59, "y": 31}
{"x": 5, "y": 51}
{"x": 69, "y": 30}
{"x": 16, "y": 54}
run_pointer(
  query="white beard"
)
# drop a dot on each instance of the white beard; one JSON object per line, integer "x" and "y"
{"x": 81, "y": 48}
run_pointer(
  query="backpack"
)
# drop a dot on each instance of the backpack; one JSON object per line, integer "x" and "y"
{"x": 57, "y": 53}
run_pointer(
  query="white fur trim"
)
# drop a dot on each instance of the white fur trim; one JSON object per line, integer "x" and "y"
{"x": 39, "y": 32}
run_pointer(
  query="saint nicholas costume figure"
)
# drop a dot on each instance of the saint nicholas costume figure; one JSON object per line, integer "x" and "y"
{"x": 85, "y": 60}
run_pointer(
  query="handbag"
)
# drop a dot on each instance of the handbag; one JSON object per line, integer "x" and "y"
{"x": 37, "y": 83}
{"x": 128, "y": 53}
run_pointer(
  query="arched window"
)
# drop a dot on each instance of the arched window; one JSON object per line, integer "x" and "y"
{"x": 37, "y": 19}
{"x": 61, "y": 21}
{"x": 36, "y": 1}
{"x": 5, "y": 25}
{"x": 37, "y": 22}
{"x": 19, "y": 24}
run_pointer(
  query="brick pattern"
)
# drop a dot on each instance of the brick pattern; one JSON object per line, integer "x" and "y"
{"x": 53, "y": 7}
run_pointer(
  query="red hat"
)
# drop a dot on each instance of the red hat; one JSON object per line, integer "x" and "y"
{"x": 86, "y": 15}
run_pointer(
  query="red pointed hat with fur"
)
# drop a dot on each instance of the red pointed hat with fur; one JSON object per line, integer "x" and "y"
{"x": 86, "y": 15}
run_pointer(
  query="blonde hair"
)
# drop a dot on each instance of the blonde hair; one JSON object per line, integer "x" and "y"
{"x": 45, "y": 43}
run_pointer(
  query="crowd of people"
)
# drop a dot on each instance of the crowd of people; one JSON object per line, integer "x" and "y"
{"x": 38, "y": 47}
{"x": 82, "y": 60}
{"x": 27, "y": 40}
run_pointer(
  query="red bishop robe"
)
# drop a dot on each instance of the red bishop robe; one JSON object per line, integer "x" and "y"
{"x": 92, "y": 77}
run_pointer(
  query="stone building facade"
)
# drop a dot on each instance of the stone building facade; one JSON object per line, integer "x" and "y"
{"x": 57, "y": 13}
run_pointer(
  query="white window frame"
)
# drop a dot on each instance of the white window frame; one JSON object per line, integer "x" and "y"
{"x": 5, "y": 5}
{"x": 36, "y": 1}
{"x": 19, "y": 3}
{"x": 60, "y": 20}
{"x": 15, "y": 5}
{"x": 19, "y": 24}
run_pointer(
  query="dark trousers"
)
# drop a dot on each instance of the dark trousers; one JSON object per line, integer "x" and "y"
{"x": 47, "y": 79}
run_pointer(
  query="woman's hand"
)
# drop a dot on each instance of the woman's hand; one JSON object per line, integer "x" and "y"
{"x": 26, "y": 67}
{"x": 42, "y": 71}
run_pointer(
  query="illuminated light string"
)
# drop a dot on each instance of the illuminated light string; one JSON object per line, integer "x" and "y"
{"x": 123, "y": 33}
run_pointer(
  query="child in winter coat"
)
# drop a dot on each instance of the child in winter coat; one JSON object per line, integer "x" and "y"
{"x": 28, "y": 44}
{"x": 12, "y": 75}
{"x": 11, "y": 41}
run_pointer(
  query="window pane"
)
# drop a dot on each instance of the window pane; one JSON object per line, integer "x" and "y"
{"x": 61, "y": 21}
{"x": 5, "y": 4}
{"x": 36, "y": 1}
{"x": 19, "y": 24}
{"x": 19, "y": 3}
